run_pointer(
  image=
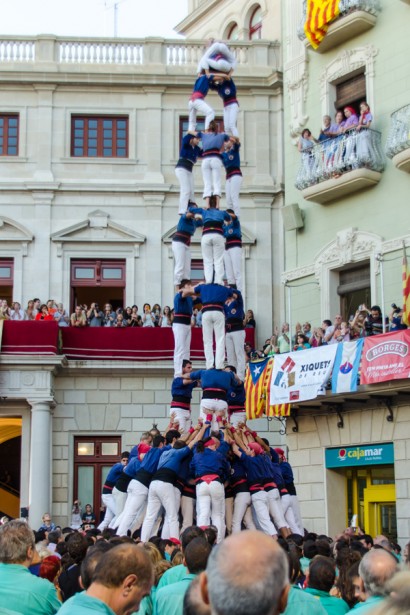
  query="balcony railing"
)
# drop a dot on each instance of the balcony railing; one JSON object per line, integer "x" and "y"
{"x": 149, "y": 52}
{"x": 335, "y": 157}
{"x": 398, "y": 138}
{"x": 346, "y": 7}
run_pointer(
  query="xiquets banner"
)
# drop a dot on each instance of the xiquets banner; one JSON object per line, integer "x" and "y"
{"x": 386, "y": 357}
{"x": 301, "y": 375}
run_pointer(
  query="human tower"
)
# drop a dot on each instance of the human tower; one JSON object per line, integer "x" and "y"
{"x": 219, "y": 471}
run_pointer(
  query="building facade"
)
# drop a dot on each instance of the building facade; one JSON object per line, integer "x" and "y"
{"x": 346, "y": 228}
{"x": 90, "y": 132}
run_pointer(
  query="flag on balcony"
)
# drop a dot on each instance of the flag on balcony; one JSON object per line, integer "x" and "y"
{"x": 257, "y": 387}
{"x": 257, "y": 377}
{"x": 406, "y": 291}
{"x": 346, "y": 367}
{"x": 319, "y": 14}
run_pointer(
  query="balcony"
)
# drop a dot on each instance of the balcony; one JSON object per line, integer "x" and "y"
{"x": 398, "y": 140}
{"x": 334, "y": 168}
{"x": 355, "y": 17}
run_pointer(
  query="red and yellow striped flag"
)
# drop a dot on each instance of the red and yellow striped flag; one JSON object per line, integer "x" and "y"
{"x": 257, "y": 388}
{"x": 406, "y": 292}
{"x": 319, "y": 14}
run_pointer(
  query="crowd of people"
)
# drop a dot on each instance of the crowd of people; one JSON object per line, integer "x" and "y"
{"x": 67, "y": 571}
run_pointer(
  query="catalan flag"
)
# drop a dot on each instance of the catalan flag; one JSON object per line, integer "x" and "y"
{"x": 406, "y": 291}
{"x": 319, "y": 14}
{"x": 257, "y": 387}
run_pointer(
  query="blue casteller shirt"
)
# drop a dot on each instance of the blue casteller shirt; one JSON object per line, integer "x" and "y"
{"x": 201, "y": 87}
{"x": 185, "y": 229}
{"x": 188, "y": 154}
{"x": 210, "y": 462}
{"x": 213, "y": 296}
{"x": 170, "y": 464}
{"x": 226, "y": 90}
{"x": 149, "y": 465}
{"x": 215, "y": 382}
{"x": 183, "y": 309}
{"x": 213, "y": 219}
{"x": 113, "y": 475}
{"x": 233, "y": 234}
{"x": 232, "y": 161}
{"x": 132, "y": 467}
{"x": 236, "y": 397}
{"x": 182, "y": 393}
{"x": 212, "y": 143}
{"x": 234, "y": 314}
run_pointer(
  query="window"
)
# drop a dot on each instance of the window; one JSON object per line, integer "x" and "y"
{"x": 351, "y": 92}
{"x": 200, "y": 125}
{"x": 99, "y": 137}
{"x": 232, "y": 32}
{"x": 354, "y": 289}
{"x": 93, "y": 459}
{"x": 255, "y": 24}
{"x": 9, "y": 128}
{"x": 6, "y": 279}
{"x": 100, "y": 281}
{"x": 197, "y": 271}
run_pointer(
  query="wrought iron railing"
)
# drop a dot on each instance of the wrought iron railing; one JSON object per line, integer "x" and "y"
{"x": 334, "y": 157}
{"x": 346, "y": 6}
{"x": 398, "y": 138}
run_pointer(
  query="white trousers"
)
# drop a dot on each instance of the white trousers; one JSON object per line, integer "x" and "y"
{"x": 288, "y": 513}
{"x": 186, "y": 188}
{"x": 228, "y": 514}
{"x": 210, "y": 506}
{"x": 201, "y": 107}
{"x": 136, "y": 500}
{"x": 182, "y": 265}
{"x": 182, "y": 345}
{"x": 109, "y": 503}
{"x": 232, "y": 192}
{"x": 187, "y": 511}
{"x": 213, "y": 249}
{"x": 233, "y": 266}
{"x": 183, "y": 417}
{"x": 235, "y": 351}
{"x": 119, "y": 502}
{"x": 224, "y": 65}
{"x": 275, "y": 509}
{"x": 242, "y": 512}
{"x": 236, "y": 418}
{"x": 296, "y": 513}
{"x": 260, "y": 505}
{"x": 161, "y": 494}
{"x": 214, "y": 322}
{"x": 230, "y": 118}
{"x": 211, "y": 174}
{"x": 212, "y": 406}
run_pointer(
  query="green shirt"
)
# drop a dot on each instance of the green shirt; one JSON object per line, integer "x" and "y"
{"x": 83, "y": 604}
{"x": 300, "y": 603}
{"x": 367, "y": 606}
{"x": 170, "y": 599}
{"x": 25, "y": 593}
{"x": 172, "y": 575}
{"x": 332, "y": 605}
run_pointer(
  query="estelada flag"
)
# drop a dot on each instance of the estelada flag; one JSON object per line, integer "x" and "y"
{"x": 319, "y": 14}
{"x": 257, "y": 388}
{"x": 406, "y": 292}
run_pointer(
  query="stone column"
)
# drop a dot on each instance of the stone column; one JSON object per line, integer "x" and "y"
{"x": 40, "y": 461}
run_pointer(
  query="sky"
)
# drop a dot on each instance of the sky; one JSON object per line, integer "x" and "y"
{"x": 84, "y": 18}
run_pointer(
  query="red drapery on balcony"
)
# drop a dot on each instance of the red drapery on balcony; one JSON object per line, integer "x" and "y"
{"x": 136, "y": 344}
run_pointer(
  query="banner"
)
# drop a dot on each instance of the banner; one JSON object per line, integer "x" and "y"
{"x": 406, "y": 292}
{"x": 346, "y": 367}
{"x": 386, "y": 357}
{"x": 299, "y": 376}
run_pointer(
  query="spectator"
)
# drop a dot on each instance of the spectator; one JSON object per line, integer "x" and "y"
{"x": 376, "y": 569}
{"x": 330, "y": 329}
{"x": 51, "y": 306}
{"x": 148, "y": 319}
{"x": 270, "y": 348}
{"x": 196, "y": 320}
{"x": 246, "y": 575}
{"x": 165, "y": 319}
{"x": 68, "y": 581}
{"x": 325, "y": 130}
{"x": 4, "y": 310}
{"x": 61, "y": 316}
{"x": 78, "y": 318}
{"x": 47, "y": 524}
{"x": 307, "y": 330}
{"x": 284, "y": 339}
{"x": 88, "y": 517}
{"x": 320, "y": 580}
{"x": 127, "y": 316}
{"x": 108, "y": 316}
{"x": 44, "y": 313}
{"x": 16, "y": 312}
{"x": 193, "y": 603}
{"x": 317, "y": 337}
{"x": 302, "y": 342}
{"x": 30, "y": 310}
{"x": 169, "y": 600}
{"x": 156, "y": 313}
{"x": 54, "y": 537}
{"x": 120, "y": 580}
{"x": 37, "y": 303}
{"x": 95, "y": 316}
{"x": 120, "y": 323}
{"x": 396, "y": 318}
{"x": 373, "y": 324}
{"x": 249, "y": 321}
{"x": 20, "y": 590}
